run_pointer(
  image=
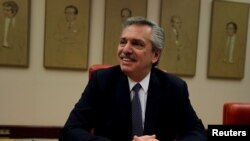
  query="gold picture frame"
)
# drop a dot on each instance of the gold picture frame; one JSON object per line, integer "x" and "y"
{"x": 116, "y": 12}
{"x": 228, "y": 37}
{"x": 67, "y": 34}
{"x": 14, "y": 33}
{"x": 180, "y": 20}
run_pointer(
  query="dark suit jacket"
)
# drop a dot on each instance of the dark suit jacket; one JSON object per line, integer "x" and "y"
{"x": 105, "y": 105}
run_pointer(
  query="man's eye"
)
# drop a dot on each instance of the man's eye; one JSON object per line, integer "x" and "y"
{"x": 122, "y": 42}
{"x": 138, "y": 43}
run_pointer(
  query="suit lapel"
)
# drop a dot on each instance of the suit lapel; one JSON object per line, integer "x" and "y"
{"x": 122, "y": 96}
{"x": 152, "y": 107}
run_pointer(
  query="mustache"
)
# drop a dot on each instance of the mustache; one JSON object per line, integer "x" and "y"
{"x": 129, "y": 56}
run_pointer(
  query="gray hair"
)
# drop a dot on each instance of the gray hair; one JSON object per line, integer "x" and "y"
{"x": 158, "y": 34}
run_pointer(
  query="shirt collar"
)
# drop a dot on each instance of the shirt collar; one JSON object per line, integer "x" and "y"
{"x": 144, "y": 83}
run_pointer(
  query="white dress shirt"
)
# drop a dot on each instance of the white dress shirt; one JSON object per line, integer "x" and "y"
{"x": 143, "y": 93}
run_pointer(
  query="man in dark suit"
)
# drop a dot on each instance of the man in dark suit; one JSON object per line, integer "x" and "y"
{"x": 107, "y": 103}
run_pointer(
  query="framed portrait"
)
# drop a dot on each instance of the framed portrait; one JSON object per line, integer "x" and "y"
{"x": 228, "y": 36}
{"x": 116, "y": 12}
{"x": 180, "y": 20}
{"x": 14, "y": 33}
{"x": 67, "y": 34}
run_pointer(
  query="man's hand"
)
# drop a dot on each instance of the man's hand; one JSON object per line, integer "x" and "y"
{"x": 145, "y": 138}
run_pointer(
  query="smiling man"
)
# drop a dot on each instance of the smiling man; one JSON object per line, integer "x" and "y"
{"x": 135, "y": 101}
{"x": 136, "y": 51}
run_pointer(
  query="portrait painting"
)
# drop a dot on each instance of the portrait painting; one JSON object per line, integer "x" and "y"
{"x": 180, "y": 20}
{"x": 228, "y": 39}
{"x": 14, "y": 33}
{"x": 116, "y": 13}
{"x": 67, "y": 34}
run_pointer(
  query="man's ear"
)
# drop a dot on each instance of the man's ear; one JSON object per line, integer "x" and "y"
{"x": 157, "y": 55}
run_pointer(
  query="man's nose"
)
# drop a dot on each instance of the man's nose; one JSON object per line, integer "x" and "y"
{"x": 127, "y": 47}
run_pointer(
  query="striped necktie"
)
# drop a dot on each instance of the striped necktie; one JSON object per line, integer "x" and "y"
{"x": 137, "y": 112}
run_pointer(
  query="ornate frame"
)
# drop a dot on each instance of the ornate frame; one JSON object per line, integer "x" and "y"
{"x": 180, "y": 19}
{"x": 14, "y": 33}
{"x": 66, "y": 43}
{"x": 227, "y": 61}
